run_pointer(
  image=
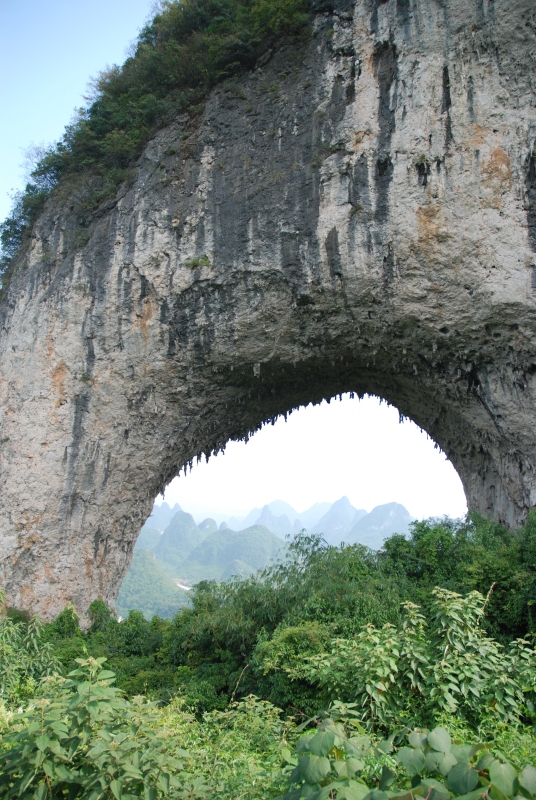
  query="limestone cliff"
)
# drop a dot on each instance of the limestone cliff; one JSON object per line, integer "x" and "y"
{"x": 355, "y": 215}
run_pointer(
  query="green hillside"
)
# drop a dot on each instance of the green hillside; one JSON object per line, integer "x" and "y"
{"x": 250, "y": 550}
{"x": 177, "y": 542}
{"x": 148, "y": 538}
{"x": 147, "y": 588}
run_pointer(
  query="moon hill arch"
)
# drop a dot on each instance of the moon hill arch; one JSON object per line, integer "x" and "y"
{"x": 357, "y": 216}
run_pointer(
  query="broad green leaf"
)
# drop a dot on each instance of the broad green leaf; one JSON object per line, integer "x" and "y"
{"x": 48, "y": 768}
{"x": 412, "y": 760}
{"x": 106, "y": 674}
{"x": 434, "y": 790}
{"x": 42, "y": 742}
{"x": 322, "y": 742}
{"x": 341, "y": 768}
{"x": 462, "y": 778}
{"x": 62, "y": 772}
{"x": 386, "y": 778}
{"x": 446, "y": 765}
{"x": 439, "y": 739}
{"x": 41, "y": 792}
{"x": 376, "y": 794}
{"x": 484, "y": 761}
{"x": 432, "y": 761}
{"x": 310, "y": 791}
{"x": 354, "y": 791}
{"x": 326, "y": 792}
{"x": 354, "y": 765}
{"x": 527, "y": 779}
{"x": 314, "y": 768}
{"x": 473, "y": 795}
{"x": 286, "y": 755}
{"x": 117, "y": 789}
{"x": 303, "y": 744}
{"x": 503, "y": 776}
{"x": 417, "y": 740}
{"x": 356, "y": 746}
{"x": 386, "y": 745}
{"x": 461, "y": 752}
{"x": 496, "y": 793}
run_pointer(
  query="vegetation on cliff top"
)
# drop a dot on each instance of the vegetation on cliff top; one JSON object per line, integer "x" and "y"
{"x": 187, "y": 49}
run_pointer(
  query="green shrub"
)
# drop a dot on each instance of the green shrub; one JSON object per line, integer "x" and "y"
{"x": 333, "y": 762}
{"x": 410, "y": 674}
{"x": 468, "y": 555}
{"x": 25, "y": 658}
{"x": 84, "y": 740}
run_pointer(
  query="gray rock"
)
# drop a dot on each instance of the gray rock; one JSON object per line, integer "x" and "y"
{"x": 369, "y": 226}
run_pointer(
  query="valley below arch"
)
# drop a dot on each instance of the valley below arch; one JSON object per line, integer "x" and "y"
{"x": 355, "y": 215}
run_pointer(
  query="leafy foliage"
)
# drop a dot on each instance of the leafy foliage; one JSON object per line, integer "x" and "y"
{"x": 335, "y": 589}
{"x": 470, "y": 555}
{"x": 187, "y": 49}
{"x": 410, "y": 674}
{"x": 82, "y": 739}
{"x": 324, "y": 625}
{"x": 332, "y": 763}
{"x": 24, "y": 658}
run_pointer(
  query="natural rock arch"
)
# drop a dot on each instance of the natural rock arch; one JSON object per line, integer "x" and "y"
{"x": 358, "y": 215}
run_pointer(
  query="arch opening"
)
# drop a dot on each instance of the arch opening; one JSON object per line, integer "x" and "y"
{"x": 351, "y": 471}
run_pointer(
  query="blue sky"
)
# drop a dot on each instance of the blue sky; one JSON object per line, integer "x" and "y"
{"x": 49, "y": 50}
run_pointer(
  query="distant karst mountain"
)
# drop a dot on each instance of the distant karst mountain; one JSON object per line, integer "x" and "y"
{"x": 336, "y": 523}
{"x": 171, "y": 547}
{"x": 374, "y": 528}
{"x": 177, "y": 542}
{"x": 226, "y": 553}
{"x": 147, "y": 588}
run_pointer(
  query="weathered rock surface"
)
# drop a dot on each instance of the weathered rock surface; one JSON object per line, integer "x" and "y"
{"x": 356, "y": 216}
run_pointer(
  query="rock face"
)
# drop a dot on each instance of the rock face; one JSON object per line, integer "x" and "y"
{"x": 358, "y": 214}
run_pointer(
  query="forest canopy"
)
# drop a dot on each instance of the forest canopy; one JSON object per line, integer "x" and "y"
{"x": 337, "y": 673}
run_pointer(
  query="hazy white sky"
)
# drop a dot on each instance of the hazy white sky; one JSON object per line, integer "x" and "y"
{"x": 354, "y": 448}
{"x": 49, "y": 50}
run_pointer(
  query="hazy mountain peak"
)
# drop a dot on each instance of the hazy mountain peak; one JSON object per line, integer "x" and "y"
{"x": 208, "y": 525}
{"x": 279, "y": 509}
{"x": 280, "y": 525}
{"x": 384, "y": 520}
{"x": 337, "y": 522}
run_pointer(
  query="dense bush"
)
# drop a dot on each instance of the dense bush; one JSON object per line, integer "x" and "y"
{"x": 330, "y": 628}
{"x": 25, "y": 658}
{"x": 331, "y": 590}
{"x": 251, "y": 635}
{"x": 471, "y": 555}
{"x": 336, "y": 762}
{"x": 188, "y": 47}
{"x": 412, "y": 674}
{"x": 82, "y": 739}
